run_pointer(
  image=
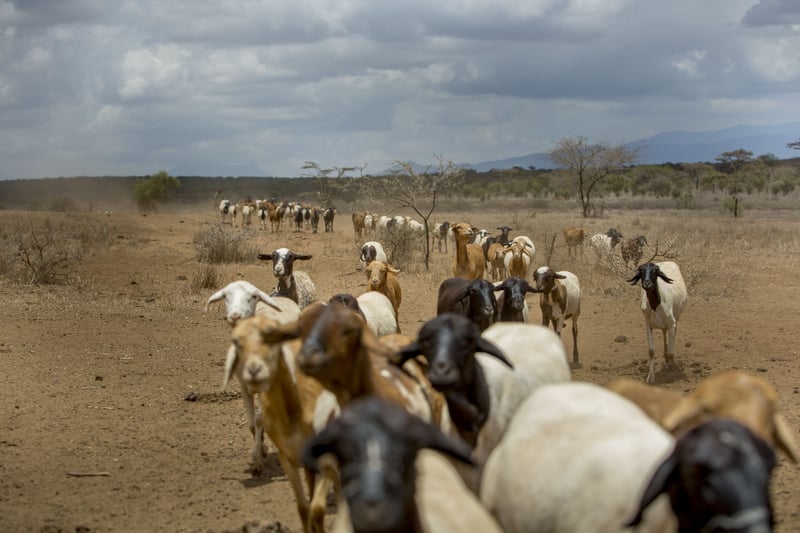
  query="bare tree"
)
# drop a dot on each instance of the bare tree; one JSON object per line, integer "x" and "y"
{"x": 590, "y": 164}
{"x": 418, "y": 191}
{"x": 794, "y": 144}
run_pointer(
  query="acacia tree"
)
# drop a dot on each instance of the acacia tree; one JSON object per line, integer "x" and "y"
{"x": 590, "y": 164}
{"x": 418, "y": 191}
{"x": 732, "y": 163}
{"x": 149, "y": 193}
{"x": 794, "y": 144}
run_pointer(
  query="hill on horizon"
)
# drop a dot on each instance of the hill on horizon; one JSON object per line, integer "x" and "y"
{"x": 674, "y": 147}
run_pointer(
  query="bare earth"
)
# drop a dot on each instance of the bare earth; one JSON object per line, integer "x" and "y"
{"x": 98, "y": 431}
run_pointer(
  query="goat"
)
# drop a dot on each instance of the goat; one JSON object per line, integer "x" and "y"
{"x": 440, "y": 232}
{"x": 632, "y": 249}
{"x": 517, "y": 260}
{"x": 382, "y": 277}
{"x": 342, "y": 353}
{"x": 327, "y": 217}
{"x": 372, "y": 251}
{"x": 389, "y": 483}
{"x": 662, "y": 303}
{"x": 574, "y": 238}
{"x": 511, "y": 303}
{"x": 224, "y": 210}
{"x": 495, "y": 257}
{"x": 481, "y": 388}
{"x": 473, "y": 299}
{"x": 717, "y": 478}
{"x": 359, "y": 224}
{"x": 295, "y": 285}
{"x": 242, "y": 300}
{"x": 575, "y": 457}
{"x": 604, "y": 243}
{"x": 469, "y": 261}
{"x": 560, "y": 299}
{"x": 503, "y": 237}
{"x": 292, "y": 407}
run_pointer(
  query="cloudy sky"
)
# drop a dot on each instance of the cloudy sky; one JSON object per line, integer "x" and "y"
{"x": 97, "y": 87}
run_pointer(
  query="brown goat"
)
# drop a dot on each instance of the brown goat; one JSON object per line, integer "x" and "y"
{"x": 289, "y": 401}
{"x": 342, "y": 353}
{"x": 469, "y": 262}
{"x": 574, "y": 237}
{"x": 382, "y": 277}
{"x": 734, "y": 394}
{"x": 632, "y": 249}
{"x": 359, "y": 223}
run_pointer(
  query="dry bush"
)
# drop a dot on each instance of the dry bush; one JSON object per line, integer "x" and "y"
{"x": 403, "y": 246}
{"x": 217, "y": 244}
{"x": 204, "y": 278}
{"x": 47, "y": 252}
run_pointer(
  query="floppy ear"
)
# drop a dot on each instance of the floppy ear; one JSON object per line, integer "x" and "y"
{"x": 265, "y": 257}
{"x": 230, "y": 362}
{"x": 303, "y": 257}
{"x": 688, "y": 409}
{"x": 404, "y": 354}
{"x": 663, "y": 477}
{"x": 533, "y": 289}
{"x": 267, "y": 300}
{"x": 635, "y": 279}
{"x": 426, "y": 435}
{"x": 503, "y": 286}
{"x": 217, "y": 296}
{"x": 487, "y": 347}
{"x": 784, "y": 439}
{"x": 559, "y": 276}
{"x": 664, "y": 277}
{"x": 320, "y": 444}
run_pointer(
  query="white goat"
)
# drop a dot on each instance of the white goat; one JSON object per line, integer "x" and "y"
{"x": 575, "y": 458}
{"x": 663, "y": 299}
{"x": 243, "y": 299}
{"x": 378, "y": 312}
{"x": 371, "y": 251}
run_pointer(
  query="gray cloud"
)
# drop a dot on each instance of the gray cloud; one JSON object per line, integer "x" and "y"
{"x": 95, "y": 87}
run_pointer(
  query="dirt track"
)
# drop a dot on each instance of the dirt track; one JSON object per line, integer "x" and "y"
{"x": 96, "y": 431}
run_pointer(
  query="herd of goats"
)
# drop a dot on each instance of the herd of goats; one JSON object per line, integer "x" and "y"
{"x": 475, "y": 424}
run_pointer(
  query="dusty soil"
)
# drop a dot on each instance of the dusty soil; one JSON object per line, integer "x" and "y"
{"x": 111, "y": 415}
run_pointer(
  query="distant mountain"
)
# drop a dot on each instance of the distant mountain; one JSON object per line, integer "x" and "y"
{"x": 677, "y": 147}
{"x": 215, "y": 169}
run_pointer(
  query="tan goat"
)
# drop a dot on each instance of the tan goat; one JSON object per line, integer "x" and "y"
{"x": 574, "y": 237}
{"x": 469, "y": 262}
{"x": 382, "y": 277}
{"x": 734, "y": 394}
{"x": 346, "y": 357}
{"x": 292, "y": 407}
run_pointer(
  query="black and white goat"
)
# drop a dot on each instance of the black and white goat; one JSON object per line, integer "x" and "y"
{"x": 473, "y": 299}
{"x": 296, "y": 285}
{"x": 663, "y": 298}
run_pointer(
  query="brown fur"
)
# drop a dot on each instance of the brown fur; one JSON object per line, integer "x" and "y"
{"x": 382, "y": 277}
{"x": 358, "y": 224}
{"x": 287, "y": 413}
{"x": 469, "y": 262}
{"x": 496, "y": 257}
{"x": 574, "y": 237}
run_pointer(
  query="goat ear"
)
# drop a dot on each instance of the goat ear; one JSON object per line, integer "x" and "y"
{"x": 503, "y": 286}
{"x": 390, "y": 268}
{"x": 268, "y": 300}
{"x": 687, "y": 409}
{"x": 487, "y": 347}
{"x": 664, "y": 277}
{"x": 303, "y": 257}
{"x": 533, "y": 289}
{"x": 404, "y": 354}
{"x": 663, "y": 477}
{"x": 426, "y": 435}
{"x": 230, "y": 362}
{"x": 635, "y": 279}
{"x": 784, "y": 439}
{"x": 217, "y": 296}
{"x": 559, "y": 276}
{"x": 320, "y": 444}
{"x": 265, "y": 257}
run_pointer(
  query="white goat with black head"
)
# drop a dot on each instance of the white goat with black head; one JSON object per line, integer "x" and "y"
{"x": 296, "y": 285}
{"x": 389, "y": 483}
{"x": 663, "y": 299}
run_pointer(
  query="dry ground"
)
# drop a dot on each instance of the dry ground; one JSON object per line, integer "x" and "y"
{"x": 97, "y": 434}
